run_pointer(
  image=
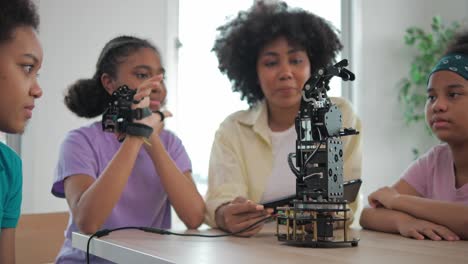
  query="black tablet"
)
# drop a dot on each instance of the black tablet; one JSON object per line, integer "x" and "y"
{"x": 351, "y": 190}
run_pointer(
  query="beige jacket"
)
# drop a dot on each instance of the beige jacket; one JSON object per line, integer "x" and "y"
{"x": 242, "y": 157}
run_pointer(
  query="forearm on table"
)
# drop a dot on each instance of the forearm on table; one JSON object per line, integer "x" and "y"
{"x": 449, "y": 214}
{"x": 382, "y": 219}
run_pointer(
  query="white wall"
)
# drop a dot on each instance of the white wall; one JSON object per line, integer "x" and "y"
{"x": 380, "y": 60}
{"x": 72, "y": 35}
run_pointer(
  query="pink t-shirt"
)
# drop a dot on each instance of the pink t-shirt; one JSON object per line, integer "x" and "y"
{"x": 433, "y": 176}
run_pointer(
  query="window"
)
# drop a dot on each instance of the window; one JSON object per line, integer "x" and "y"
{"x": 3, "y": 138}
{"x": 204, "y": 94}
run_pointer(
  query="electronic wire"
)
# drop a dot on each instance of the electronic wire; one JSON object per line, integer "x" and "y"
{"x": 105, "y": 232}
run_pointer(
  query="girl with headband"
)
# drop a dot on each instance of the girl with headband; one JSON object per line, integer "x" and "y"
{"x": 431, "y": 198}
{"x": 109, "y": 184}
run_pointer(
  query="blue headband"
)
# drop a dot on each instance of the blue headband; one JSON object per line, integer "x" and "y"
{"x": 456, "y": 63}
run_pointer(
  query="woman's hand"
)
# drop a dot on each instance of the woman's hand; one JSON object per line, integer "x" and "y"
{"x": 240, "y": 214}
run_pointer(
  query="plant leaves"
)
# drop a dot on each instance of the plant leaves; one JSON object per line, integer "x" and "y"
{"x": 429, "y": 47}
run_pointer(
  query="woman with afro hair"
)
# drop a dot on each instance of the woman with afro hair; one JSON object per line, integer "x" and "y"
{"x": 268, "y": 53}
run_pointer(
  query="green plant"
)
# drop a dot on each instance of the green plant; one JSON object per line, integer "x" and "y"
{"x": 430, "y": 47}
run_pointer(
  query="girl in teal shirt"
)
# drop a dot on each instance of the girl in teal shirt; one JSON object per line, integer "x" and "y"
{"x": 20, "y": 60}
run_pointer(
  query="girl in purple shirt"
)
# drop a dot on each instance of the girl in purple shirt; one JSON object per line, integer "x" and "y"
{"x": 431, "y": 198}
{"x": 109, "y": 184}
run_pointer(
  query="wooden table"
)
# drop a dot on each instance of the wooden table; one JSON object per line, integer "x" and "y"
{"x": 134, "y": 246}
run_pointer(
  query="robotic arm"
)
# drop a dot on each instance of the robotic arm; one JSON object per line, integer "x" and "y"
{"x": 318, "y": 165}
{"x": 319, "y": 149}
{"x": 119, "y": 116}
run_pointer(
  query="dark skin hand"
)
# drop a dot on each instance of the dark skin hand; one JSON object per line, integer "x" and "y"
{"x": 239, "y": 214}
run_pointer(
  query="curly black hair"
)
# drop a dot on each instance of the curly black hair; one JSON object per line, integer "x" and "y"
{"x": 87, "y": 97}
{"x": 16, "y": 13}
{"x": 459, "y": 43}
{"x": 240, "y": 40}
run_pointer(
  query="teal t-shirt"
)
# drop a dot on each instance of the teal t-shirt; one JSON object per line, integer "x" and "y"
{"x": 11, "y": 185}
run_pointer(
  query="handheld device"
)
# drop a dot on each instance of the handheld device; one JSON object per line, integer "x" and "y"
{"x": 279, "y": 202}
{"x": 351, "y": 190}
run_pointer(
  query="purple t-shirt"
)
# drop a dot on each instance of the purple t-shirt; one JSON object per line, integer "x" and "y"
{"x": 433, "y": 176}
{"x": 144, "y": 201}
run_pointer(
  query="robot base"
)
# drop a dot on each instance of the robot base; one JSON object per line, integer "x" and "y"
{"x": 308, "y": 241}
{"x": 312, "y": 224}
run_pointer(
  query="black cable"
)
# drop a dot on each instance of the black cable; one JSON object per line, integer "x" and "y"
{"x": 310, "y": 156}
{"x": 291, "y": 164}
{"x": 166, "y": 232}
{"x": 102, "y": 233}
{"x": 159, "y": 231}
